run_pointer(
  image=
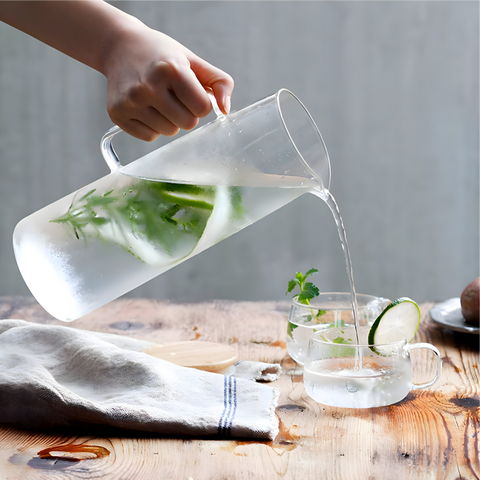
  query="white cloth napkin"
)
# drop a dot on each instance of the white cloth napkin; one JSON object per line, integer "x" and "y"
{"x": 55, "y": 376}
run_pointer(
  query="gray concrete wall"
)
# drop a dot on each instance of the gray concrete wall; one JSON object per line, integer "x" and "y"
{"x": 393, "y": 86}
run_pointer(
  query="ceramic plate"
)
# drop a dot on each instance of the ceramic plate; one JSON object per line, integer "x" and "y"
{"x": 449, "y": 314}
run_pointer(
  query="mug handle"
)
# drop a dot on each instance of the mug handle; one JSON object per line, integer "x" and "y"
{"x": 106, "y": 147}
{"x": 439, "y": 363}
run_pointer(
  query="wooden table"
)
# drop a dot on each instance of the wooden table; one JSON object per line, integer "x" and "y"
{"x": 432, "y": 434}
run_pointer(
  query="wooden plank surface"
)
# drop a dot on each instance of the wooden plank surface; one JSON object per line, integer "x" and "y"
{"x": 432, "y": 434}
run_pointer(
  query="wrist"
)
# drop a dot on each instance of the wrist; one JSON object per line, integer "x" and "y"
{"x": 119, "y": 35}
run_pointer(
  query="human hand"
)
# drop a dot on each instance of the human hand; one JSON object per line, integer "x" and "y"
{"x": 157, "y": 86}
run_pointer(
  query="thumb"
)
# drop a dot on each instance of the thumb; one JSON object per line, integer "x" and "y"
{"x": 220, "y": 82}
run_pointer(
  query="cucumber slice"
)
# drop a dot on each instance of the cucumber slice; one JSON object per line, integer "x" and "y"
{"x": 400, "y": 320}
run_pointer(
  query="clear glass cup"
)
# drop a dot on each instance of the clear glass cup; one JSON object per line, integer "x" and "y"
{"x": 326, "y": 311}
{"x": 341, "y": 373}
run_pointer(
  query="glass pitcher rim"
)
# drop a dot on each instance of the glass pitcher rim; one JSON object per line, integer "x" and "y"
{"x": 310, "y": 169}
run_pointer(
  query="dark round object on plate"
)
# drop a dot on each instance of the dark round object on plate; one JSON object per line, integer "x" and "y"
{"x": 470, "y": 301}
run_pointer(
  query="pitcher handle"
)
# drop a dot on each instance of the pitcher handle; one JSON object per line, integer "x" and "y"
{"x": 108, "y": 152}
{"x": 106, "y": 147}
{"x": 439, "y": 363}
{"x": 213, "y": 100}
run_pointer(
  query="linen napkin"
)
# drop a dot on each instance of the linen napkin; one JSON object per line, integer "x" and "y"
{"x": 56, "y": 376}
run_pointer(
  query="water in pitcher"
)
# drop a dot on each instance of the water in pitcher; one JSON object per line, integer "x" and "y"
{"x": 74, "y": 253}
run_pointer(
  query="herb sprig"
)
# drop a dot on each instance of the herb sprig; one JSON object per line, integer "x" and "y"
{"x": 307, "y": 289}
{"x": 147, "y": 217}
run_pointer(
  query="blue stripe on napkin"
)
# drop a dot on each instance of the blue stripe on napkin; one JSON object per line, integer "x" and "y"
{"x": 229, "y": 406}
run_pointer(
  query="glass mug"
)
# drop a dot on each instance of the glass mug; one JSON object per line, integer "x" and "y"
{"x": 144, "y": 218}
{"x": 340, "y": 373}
{"x": 326, "y": 311}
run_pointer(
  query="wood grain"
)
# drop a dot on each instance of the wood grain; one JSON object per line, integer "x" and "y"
{"x": 432, "y": 434}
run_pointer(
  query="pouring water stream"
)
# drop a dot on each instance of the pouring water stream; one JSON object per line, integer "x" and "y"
{"x": 328, "y": 198}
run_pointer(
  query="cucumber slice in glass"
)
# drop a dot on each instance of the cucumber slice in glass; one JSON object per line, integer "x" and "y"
{"x": 400, "y": 320}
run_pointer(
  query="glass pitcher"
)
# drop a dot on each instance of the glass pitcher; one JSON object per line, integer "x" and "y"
{"x": 142, "y": 219}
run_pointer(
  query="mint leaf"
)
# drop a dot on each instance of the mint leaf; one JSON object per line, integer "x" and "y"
{"x": 300, "y": 278}
{"x": 291, "y": 285}
{"x": 342, "y": 341}
{"x": 290, "y": 328}
{"x": 301, "y": 299}
{"x": 236, "y": 199}
{"x": 310, "y": 290}
{"x": 311, "y": 272}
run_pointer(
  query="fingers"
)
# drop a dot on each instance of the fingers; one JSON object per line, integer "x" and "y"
{"x": 149, "y": 124}
{"x": 145, "y": 114}
{"x": 143, "y": 121}
{"x": 186, "y": 100}
{"x": 188, "y": 82}
{"x": 223, "y": 93}
{"x": 220, "y": 82}
{"x": 137, "y": 129}
{"x": 161, "y": 97}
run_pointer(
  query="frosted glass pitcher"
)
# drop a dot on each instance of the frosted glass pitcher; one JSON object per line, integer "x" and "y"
{"x": 142, "y": 219}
